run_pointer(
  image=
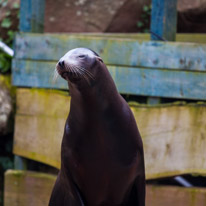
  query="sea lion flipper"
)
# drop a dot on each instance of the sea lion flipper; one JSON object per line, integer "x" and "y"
{"x": 59, "y": 197}
{"x": 140, "y": 189}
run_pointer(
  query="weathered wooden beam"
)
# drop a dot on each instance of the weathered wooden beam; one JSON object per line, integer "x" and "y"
{"x": 176, "y": 145}
{"x": 184, "y": 37}
{"x": 164, "y": 19}
{"x": 27, "y": 188}
{"x": 34, "y": 189}
{"x": 178, "y": 196}
{"x": 163, "y": 25}
{"x": 195, "y": 38}
{"x": 129, "y": 80}
{"x": 20, "y": 163}
{"x": 32, "y": 15}
{"x": 171, "y": 55}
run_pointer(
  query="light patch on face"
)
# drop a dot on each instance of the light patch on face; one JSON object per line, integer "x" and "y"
{"x": 71, "y": 56}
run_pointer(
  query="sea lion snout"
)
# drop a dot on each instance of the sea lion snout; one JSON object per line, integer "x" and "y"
{"x": 61, "y": 64}
{"x": 76, "y": 65}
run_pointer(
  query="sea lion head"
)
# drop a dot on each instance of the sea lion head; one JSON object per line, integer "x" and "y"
{"x": 76, "y": 65}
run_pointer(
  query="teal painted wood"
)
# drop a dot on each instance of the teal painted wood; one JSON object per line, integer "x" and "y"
{"x": 164, "y": 19}
{"x": 163, "y": 24}
{"x": 20, "y": 163}
{"x": 32, "y": 15}
{"x": 126, "y": 52}
{"x": 153, "y": 100}
{"x": 129, "y": 80}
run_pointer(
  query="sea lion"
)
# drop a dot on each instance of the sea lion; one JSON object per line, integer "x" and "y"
{"x": 102, "y": 159}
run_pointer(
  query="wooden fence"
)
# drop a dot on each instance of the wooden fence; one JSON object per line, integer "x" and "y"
{"x": 174, "y": 135}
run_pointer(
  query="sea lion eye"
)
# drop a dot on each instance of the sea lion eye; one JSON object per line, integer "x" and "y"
{"x": 82, "y": 56}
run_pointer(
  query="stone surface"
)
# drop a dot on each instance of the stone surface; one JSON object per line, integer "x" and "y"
{"x": 184, "y": 5}
{"x": 191, "y": 16}
{"x": 116, "y": 15}
{"x": 93, "y": 15}
{"x": 107, "y": 16}
{"x": 6, "y": 106}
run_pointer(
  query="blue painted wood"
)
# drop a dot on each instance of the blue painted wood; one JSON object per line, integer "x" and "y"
{"x": 20, "y": 163}
{"x": 129, "y": 80}
{"x": 127, "y": 52}
{"x": 32, "y": 15}
{"x": 164, "y": 19}
{"x": 153, "y": 100}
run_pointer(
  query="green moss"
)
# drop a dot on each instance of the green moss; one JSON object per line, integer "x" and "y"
{"x": 177, "y": 103}
{"x": 20, "y": 173}
{"x": 42, "y": 175}
{"x": 16, "y": 173}
{"x": 5, "y": 82}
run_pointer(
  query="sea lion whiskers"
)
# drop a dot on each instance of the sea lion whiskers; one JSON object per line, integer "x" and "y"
{"x": 55, "y": 75}
{"x": 72, "y": 69}
{"x": 83, "y": 74}
{"x": 87, "y": 72}
{"x": 79, "y": 72}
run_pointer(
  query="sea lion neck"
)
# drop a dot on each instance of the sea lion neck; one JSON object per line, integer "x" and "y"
{"x": 97, "y": 91}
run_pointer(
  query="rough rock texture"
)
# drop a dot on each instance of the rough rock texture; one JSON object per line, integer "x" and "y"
{"x": 107, "y": 15}
{"x": 93, "y": 15}
{"x": 6, "y": 106}
{"x": 116, "y": 15}
{"x": 184, "y": 5}
{"x": 191, "y": 16}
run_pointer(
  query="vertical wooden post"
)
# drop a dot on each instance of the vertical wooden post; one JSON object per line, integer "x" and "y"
{"x": 164, "y": 24}
{"x": 20, "y": 163}
{"x": 31, "y": 20}
{"x": 164, "y": 19}
{"x": 32, "y": 15}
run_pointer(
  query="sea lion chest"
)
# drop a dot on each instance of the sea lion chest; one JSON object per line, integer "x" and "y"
{"x": 97, "y": 152}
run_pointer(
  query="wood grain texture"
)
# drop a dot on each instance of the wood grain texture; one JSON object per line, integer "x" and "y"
{"x": 114, "y": 51}
{"x": 178, "y": 196}
{"x": 27, "y": 188}
{"x": 34, "y": 189}
{"x": 164, "y": 19}
{"x": 129, "y": 80}
{"x": 174, "y": 135}
{"x": 184, "y": 37}
{"x": 192, "y": 38}
{"x": 32, "y": 15}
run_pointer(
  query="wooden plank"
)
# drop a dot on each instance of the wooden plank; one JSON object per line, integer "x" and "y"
{"x": 192, "y": 38}
{"x": 34, "y": 189}
{"x": 129, "y": 80}
{"x": 174, "y": 135}
{"x": 20, "y": 163}
{"x": 164, "y": 19}
{"x": 27, "y": 188}
{"x": 163, "y": 26}
{"x": 32, "y": 15}
{"x": 129, "y": 52}
{"x": 40, "y": 139}
{"x": 195, "y": 38}
{"x": 178, "y": 196}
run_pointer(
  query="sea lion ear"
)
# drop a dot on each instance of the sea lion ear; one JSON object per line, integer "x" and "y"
{"x": 99, "y": 58}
